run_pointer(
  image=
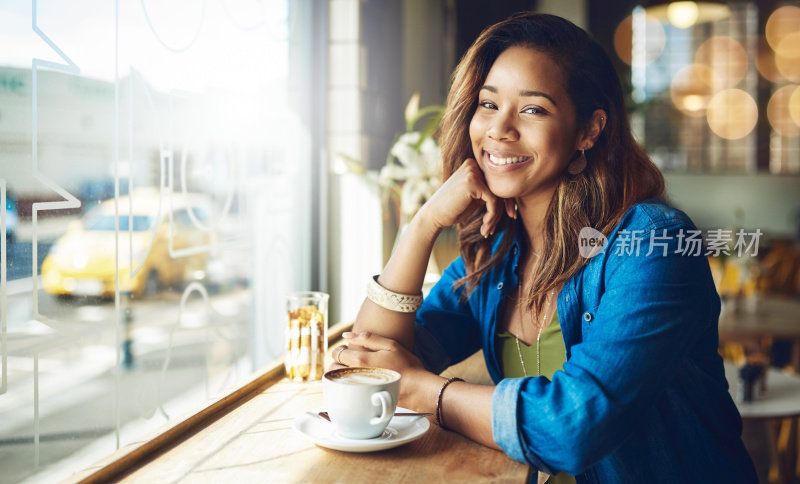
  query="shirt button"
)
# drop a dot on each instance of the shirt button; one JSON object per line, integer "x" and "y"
{"x": 500, "y": 286}
{"x": 515, "y": 250}
{"x": 587, "y": 317}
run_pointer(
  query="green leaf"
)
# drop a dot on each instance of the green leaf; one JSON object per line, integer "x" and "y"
{"x": 437, "y": 110}
{"x": 430, "y": 127}
{"x": 353, "y": 165}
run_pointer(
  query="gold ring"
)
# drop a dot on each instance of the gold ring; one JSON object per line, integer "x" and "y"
{"x": 338, "y": 354}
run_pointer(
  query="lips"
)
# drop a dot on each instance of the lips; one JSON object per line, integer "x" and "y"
{"x": 502, "y": 159}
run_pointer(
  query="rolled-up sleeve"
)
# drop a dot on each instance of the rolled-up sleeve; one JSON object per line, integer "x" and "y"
{"x": 505, "y": 407}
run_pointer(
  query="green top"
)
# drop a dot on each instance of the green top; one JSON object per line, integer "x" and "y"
{"x": 552, "y": 355}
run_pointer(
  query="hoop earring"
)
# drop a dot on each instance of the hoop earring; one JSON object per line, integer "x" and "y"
{"x": 577, "y": 165}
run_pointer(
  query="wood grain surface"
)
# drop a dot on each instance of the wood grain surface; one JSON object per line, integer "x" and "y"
{"x": 256, "y": 443}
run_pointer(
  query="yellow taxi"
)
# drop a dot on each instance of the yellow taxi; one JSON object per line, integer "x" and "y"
{"x": 163, "y": 240}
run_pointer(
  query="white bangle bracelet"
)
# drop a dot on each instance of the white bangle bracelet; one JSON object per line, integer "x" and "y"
{"x": 402, "y": 303}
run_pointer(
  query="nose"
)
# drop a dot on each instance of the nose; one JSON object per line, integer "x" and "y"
{"x": 502, "y": 128}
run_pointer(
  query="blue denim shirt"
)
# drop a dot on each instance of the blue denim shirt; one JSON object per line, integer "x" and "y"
{"x": 642, "y": 396}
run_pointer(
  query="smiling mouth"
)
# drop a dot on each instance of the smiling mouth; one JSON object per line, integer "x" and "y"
{"x": 510, "y": 160}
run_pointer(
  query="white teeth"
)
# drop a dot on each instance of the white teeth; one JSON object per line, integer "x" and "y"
{"x": 506, "y": 161}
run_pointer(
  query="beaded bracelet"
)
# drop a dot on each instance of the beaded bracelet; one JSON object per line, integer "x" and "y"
{"x": 393, "y": 301}
{"x": 438, "y": 417}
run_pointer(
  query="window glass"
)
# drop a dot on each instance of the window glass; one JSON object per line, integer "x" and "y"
{"x": 152, "y": 174}
{"x": 107, "y": 222}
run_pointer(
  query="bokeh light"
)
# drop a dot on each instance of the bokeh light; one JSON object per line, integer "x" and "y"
{"x": 765, "y": 62}
{"x": 654, "y": 39}
{"x": 794, "y": 106}
{"x": 692, "y": 88}
{"x": 787, "y": 56}
{"x": 782, "y": 22}
{"x": 682, "y": 14}
{"x": 778, "y": 112}
{"x": 726, "y": 56}
{"x": 732, "y": 114}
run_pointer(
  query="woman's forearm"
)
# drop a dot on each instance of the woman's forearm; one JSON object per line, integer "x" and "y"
{"x": 404, "y": 273}
{"x": 466, "y": 407}
{"x": 459, "y": 196}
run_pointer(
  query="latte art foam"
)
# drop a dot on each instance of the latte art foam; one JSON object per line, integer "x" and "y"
{"x": 361, "y": 376}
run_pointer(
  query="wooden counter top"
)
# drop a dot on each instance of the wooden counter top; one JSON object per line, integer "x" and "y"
{"x": 255, "y": 442}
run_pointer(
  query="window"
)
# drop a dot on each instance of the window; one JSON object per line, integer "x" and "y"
{"x": 160, "y": 158}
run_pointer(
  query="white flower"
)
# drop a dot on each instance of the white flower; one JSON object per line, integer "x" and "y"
{"x": 413, "y": 195}
{"x": 404, "y": 150}
{"x": 413, "y": 168}
{"x": 391, "y": 172}
{"x": 431, "y": 155}
{"x": 418, "y": 170}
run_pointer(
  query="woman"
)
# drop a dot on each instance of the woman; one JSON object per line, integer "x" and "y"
{"x": 605, "y": 364}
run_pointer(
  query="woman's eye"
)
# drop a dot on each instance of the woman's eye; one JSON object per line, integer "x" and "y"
{"x": 534, "y": 110}
{"x": 488, "y": 105}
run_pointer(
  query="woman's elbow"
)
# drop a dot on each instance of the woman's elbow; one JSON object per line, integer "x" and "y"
{"x": 578, "y": 452}
{"x": 577, "y": 460}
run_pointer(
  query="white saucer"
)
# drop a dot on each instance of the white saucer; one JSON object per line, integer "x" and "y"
{"x": 400, "y": 430}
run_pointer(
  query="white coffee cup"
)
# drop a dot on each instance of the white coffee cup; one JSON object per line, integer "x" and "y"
{"x": 360, "y": 401}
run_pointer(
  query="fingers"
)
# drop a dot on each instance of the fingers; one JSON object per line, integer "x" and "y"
{"x": 369, "y": 341}
{"x": 494, "y": 213}
{"x": 511, "y": 207}
{"x": 370, "y": 350}
{"x": 479, "y": 191}
{"x": 495, "y": 207}
{"x": 487, "y": 227}
{"x": 354, "y": 357}
{"x": 492, "y": 216}
{"x": 337, "y": 354}
{"x": 463, "y": 193}
{"x": 362, "y": 349}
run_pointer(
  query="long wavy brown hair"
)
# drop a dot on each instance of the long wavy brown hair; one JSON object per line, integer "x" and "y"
{"x": 618, "y": 173}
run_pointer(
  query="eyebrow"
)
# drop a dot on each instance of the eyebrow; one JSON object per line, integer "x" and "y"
{"x": 524, "y": 93}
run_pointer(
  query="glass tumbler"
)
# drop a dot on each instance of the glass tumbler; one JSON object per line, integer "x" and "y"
{"x": 306, "y": 335}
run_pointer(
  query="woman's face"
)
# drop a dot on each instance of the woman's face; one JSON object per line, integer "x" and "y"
{"x": 524, "y": 129}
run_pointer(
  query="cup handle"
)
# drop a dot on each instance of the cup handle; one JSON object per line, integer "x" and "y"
{"x": 384, "y": 399}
